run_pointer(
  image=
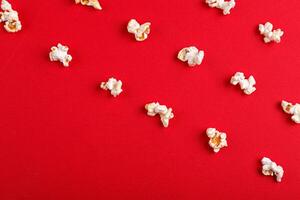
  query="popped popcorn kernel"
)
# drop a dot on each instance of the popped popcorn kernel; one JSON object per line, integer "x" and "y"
{"x": 10, "y": 18}
{"x": 226, "y": 6}
{"x": 140, "y": 32}
{"x": 60, "y": 53}
{"x": 217, "y": 140}
{"x": 291, "y": 109}
{"x": 93, "y": 3}
{"x": 191, "y": 55}
{"x": 247, "y": 85}
{"x": 114, "y": 85}
{"x": 165, "y": 113}
{"x": 269, "y": 34}
{"x": 270, "y": 168}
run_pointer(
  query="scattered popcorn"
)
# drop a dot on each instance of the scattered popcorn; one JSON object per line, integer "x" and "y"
{"x": 246, "y": 84}
{"x": 270, "y": 168}
{"x": 217, "y": 139}
{"x": 94, "y": 3}
{"x": 10, "y": 17}
{"x": 113, "y": 85}
{"x": 165, "y": 113}
{"x": 192, "y": 55}
{"x": 226, "y": 6}
{"x": 269, "y": 35}
{"x": 292, "y": 109}
{"x": 141, "y": 32}
{"x": 60, "y": 53}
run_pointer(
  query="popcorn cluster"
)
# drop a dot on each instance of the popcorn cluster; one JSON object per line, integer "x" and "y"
{"x": 94, "y": 3}
{"x": 191, "y": 55}
{"x": 114, "y": 85}
{"x": 226, "y": 6}
{"x": 247, "y": 85}
{"x": 269, "y": 34}
{"x": 270, "y": 168}
{"x": 165, "y": 113}
{"x": 291, "y": 109}
{"x": 140, "y": 32}
{"x": 10, "y": 17}
{"x": 217, "y": 140}
{"x": 60, "y": 53}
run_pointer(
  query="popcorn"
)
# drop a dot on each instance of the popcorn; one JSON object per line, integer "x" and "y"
{"x": 270, "y": 168}
{"x": 192, "y": 55}
{"x": 10, "y": 17}
{"x": 113, "y": 85}
{"x": 269, "y": 35}
{"x": 165, "y": 113}
{"x": 94, "y": 3}
{"x": 226, "y": 6}
{"x": 217, "y": 139}
{"x": 140, "y": 32}
{"x": 245, "y": 84}
{"x": 292, "y": 109}
{"x": 60, "y": 53}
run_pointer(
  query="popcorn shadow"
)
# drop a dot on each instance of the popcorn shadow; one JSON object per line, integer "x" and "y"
{"x": 204, "y": 141}
{"x": 184, "y": 65}
{"x": 226, "y": 83}
{"x": 287, "y": 117}
{"x": 123, "y": 31}
{"x": 206, "y": 6}
{"x": 45, "y": 55}
{"x": 143, "y": 111}
{"x": 261, "y": 38}
{"x": 175, "y": 58}
{"x": 71, "y": 2}
{"x": 101, "y": 92}
{"x": 258, "y": 167}
{"x": 256, "y": 32}
{"x": 259, "y": 171}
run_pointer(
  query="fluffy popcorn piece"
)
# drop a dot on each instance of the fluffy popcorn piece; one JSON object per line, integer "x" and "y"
{"x": 113, "y": 85}
{"x": 270, "y": 168}
{"x": 140, "y": 32}
{"x": 10, "y": 18}
{"x": 94, "y": 3}
{"x": 226, "y": 6}
{"x": 247, "y": 85}
{"x": 269, "y": 34}
{"x": 165, "y": 113}
{"x": 191, "y": 55}
{"x": 60, "y": 53}
{"x": 291, "y": 109}
{"x": 217, "y": 140}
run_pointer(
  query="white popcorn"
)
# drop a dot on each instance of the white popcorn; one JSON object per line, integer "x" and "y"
{"x": 292, "y": 109}
{"x": 192, "y": 55}
{"x": 217, "y": 140}
{"x": 165, "y": 113}
{"x": 226, "y": 6}
{"x": 269, "y": 34}
{"x": 247, "y": 85}
{"x": 10, "y": 17}
{"x": 60, "y": 53}
{"x": 140, "y": 32}
{"x": 270, "y": 168}
{"x": 113, "y": 85}
{"x": 94, "y": 3}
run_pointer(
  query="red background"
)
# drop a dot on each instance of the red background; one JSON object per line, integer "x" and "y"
{"x": 63, "y": 138}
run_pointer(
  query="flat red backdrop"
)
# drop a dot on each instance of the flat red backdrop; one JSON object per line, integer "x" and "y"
{"x": 63, "y": 138}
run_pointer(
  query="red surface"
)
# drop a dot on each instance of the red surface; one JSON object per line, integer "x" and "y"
{"x": 62, "y": 138}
